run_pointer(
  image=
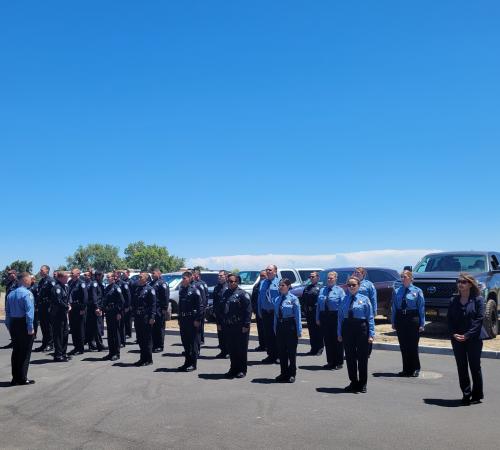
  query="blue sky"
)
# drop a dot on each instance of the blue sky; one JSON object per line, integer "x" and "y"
{"x": 249, "y": 128}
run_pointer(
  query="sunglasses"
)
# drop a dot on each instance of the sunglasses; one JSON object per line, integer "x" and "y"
{"x": 351, "y": 285}
{"x": 269, "y": 270}
{"x": 462, "y": 282}
{"x": 232, "y": 281}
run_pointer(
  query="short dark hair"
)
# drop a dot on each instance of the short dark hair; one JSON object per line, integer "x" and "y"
{"x": 187, "y": 273}
{"x": 234, "y": 275}
{"x": 286, "y": 281}
{"x": 46, "y": 266}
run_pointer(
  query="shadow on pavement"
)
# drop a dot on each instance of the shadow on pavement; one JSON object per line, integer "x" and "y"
{"x": 209, "y": 346}
{"x": 41, "y": 361}
{"x": 5, "y": 384}
{"x": 313, "y": 368}
{"x": 134, "y": 351}
{"x": 122, "y": 364}
{"x": 443, "y": 402}
{"x": 212, "y": 376}
{"x": 264, "y": 381}
{"x": 386, "y": 375}
{"x": 93, "y": 359}
{"x": 167, "y": 370}
{"x": 332, "y": 390}
{"x": 175, "y": 355}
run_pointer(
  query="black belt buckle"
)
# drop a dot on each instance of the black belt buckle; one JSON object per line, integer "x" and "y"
{"x": 403, "y": 311}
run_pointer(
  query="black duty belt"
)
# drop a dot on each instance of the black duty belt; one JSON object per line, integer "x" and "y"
{"x": 329, "y": 312}
{"x": 286, "y": 319}
{"x": 407, "y": 312}
{"x": 139, "y": 311}
{"x": 186, "y": 314}
{"x": 355, "y": 320}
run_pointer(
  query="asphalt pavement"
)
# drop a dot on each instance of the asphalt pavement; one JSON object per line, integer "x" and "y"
{"x": 93, "y": 404}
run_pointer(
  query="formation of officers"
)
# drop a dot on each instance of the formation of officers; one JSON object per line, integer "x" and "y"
{"x": 342, "y": 322}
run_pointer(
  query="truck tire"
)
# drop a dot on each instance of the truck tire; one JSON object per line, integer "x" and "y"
{"x": 491, "y": 318}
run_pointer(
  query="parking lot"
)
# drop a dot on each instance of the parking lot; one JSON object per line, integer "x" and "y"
{"x": 88, "y": 403}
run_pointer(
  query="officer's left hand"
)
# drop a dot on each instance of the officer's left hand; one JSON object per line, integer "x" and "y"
{"x": 370, "y": 340}
{"x": 421, "y": 329}
{"x": 151, "y": 321}
{"x": 31, "y": 332}
{"x": 82, "y": 313}
{"x": 196, "y": 323}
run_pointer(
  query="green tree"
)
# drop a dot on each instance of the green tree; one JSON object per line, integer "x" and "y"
{"x": 139, "y": 255}
{"x": 103, "y": 257}
{"x": 19, "y": 265}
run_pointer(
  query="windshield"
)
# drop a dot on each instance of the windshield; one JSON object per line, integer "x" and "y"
{"x": 342, "y": 276}
{"x": 249, "y": 276}
{"x": 172, "y": 280}
{"x": 452, "y": 263}
{"x": 304, "y": 275}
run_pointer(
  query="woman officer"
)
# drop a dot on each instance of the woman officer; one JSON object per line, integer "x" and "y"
{"x": 356, "y": 329}
{"x": 408, "y": 319}
{"x": 288, "y": 329}
{"x": 465, "y": 319}
{"x": 329, "y": 301}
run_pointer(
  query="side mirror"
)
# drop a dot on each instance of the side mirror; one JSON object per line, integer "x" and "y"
{"x": 410, "y": 268}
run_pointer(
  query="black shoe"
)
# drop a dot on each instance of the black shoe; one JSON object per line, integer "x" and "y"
{"x": 281, "y": 378}
{"x": 260, "y": 349}
{"x": 128, "y": 336}
{"x": 319, "y": 352}
{"x": 68, "y": 357}
{"x": 229, "y": 375}
{"x": 415, "y": 374}
{"x": 157, "y": 350}
{"x": 49, "y": 348}
{"x": 139, "y": 363}
{"x": 221, "y": 355}
{"x": 362, "y": 389}
{"x": 241, "y": 375}
{"x": 13, "y": 382}
{"x": 114, "y": 358}
{"x": 291, "y": 380}
{"x": 107, "y": 357}
{"x": 268, "y": 360}
{"x": 101, "y": 349}
{"x": 277, "y": 361}
{"x": 465, "y": 400}
{"x": 122, "y": 345}
{"x": 75, "y": 352}
{"x": 40, "y": 349}
{"x": 338, "y": 367}
{"x": 25, "y": 382}
{"x": 402, "y": 374}
{"x": 148, "y": 363}
{"x": 182, "y": 368}
{"x": 328, "y": 366}
{"x": 351, "y": 388}
{"x": 190, "y": 368}
{"x": 92, "y": 348}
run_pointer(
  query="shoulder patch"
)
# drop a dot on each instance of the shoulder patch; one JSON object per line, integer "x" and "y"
{"x": 58, "y": 291}
{"x": 153, "y": 291}
{"x": 164, "y": 286}
{"x": 53, "y": 283}
{"x": 83, "y": 285}
{"x": 94, "y": 284}
{"x": 118, "y": 289}
{"x": 125, "y": 286}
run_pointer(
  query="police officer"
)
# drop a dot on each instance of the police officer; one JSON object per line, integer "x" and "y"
{"x": 356, "y": 329}
{"x": 127, "y": 297}
{"x": 19, "y": 316}
{"x": 288, "y": 329}
{"x": 310, "y": 301}
{"x": 236, "y": 318}
{"x": 144, "y": 307}
{"x": 218, "y": 306}
{"x": 10, "y": 285}
{"x": 112, "y": 305}
{"x": 162, "y": 299}
{"x": 59, "y": 307}
{"x": 44, "y": 287}
{"x": 33, "y": 288}
{"x": 329, "y": 301}
{"x": 95, "y": 314}
{"x": 78, "y": 297}
{"x": 258, "y": 320}
{"x": 128, "y": 311}
{"x": 190, "y": 314}
{"x": 269, "y": 291}
{"x": 408, "y": 319}
{"x": 203, "y": 288}
{"x": 367, "y": 288}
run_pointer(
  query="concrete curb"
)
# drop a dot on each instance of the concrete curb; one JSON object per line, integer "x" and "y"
{"x": 488, "y": 354}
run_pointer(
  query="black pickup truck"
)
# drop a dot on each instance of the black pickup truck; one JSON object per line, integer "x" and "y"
{"x": 436, "y": 274}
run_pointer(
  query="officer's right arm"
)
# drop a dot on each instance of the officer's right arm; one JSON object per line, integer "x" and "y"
{"x": 393, "y": 308}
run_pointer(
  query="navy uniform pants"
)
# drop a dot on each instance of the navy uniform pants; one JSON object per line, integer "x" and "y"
{"x": 468, "y": 355}
{"x": 59, "y": 321}
{"x": 45, "y": 325}
{"x": 190, "y": 338}
{"x": 286, "y": 342}
{"x": 159, "y": 331}
{"x": 94, "y": 328}
{"x": 22, "y": 344}
{"x": 77, "y": 326}
{"x": 407, "y": 326}
{"x": 237, "y": 343}
{"x": 113, "y": 334}
{"x": 221, "y": 336}
{"x": 269, "y": 336}
{"x": 143, "y": 331}
{"x": 315, "y": 335}
{"x": 355, "y": 339}
{"x": 334, "y": 348}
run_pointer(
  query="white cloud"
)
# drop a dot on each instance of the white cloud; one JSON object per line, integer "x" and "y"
{"x": 394, "y": 259}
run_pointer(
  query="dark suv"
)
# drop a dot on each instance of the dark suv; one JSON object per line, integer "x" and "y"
{"x": 436, "y": 274}
{"x": 384, "y": 280}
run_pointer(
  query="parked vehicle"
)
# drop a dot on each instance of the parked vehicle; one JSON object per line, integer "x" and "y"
{"x": 383, "y": 278}
{"x": 436, "y": 274}
{"x": 250, "y": 277}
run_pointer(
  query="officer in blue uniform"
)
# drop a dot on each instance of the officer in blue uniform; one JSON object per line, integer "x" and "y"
{"x": 310, "y": 301}
{"x": 43, "y": 300}
{"x": 59, "y": 307}
{"x": 203, "y": 288}
{"x": 255, "y": 308}
{"x": 330, "y": 299}
{"x": 288, "y": 329}
{"x": 367, "y": 288}
{"x": 269, "y": 291}
{"x": 78, "y": 298}
{"x": 356, "y": 329}
{"x": 218, "y": 306}
{"x": 112, "y": 305}
{"x": 408, "y": 319}
{"x": 162, "y": 299}
{"x": 19, "y": 316}
{"x": 95, "y": 315}
{"x": 127, "y": 298}
{"x": 236, "y": 319}
{"x": 144, "y": 306}
{"x": 190, "y": 314}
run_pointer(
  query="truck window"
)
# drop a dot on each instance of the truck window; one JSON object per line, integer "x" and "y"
{"x": 289, "y": 274}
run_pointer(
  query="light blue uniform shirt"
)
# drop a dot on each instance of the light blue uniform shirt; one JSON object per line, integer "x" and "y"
{"x": 367, "y": 288}
{"x": 269, "y": 290}
{"x": 333, "y": 301}
{"x": 20, "y": 303}
{"x": 361, "y": 309}
{"x": 414, "y": 302}
{"x": 290, "y": 307}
